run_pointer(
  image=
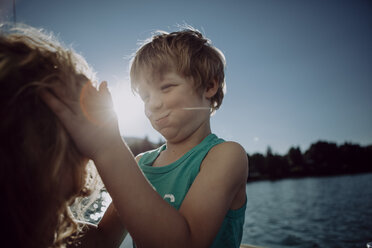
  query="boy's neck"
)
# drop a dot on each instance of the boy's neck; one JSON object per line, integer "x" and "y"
{"x": 178, "y": 149}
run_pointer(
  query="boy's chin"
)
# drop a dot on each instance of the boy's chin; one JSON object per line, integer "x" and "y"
{"x": 170, "y": 134}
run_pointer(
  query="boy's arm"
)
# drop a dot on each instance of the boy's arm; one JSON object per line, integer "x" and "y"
{"x": 110, "y": 232}
{"x": 154, "y": 223}
{"x": 113, "y": 229}
{"x": 219, "y": 186}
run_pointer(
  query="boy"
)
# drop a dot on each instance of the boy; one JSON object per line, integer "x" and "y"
{"x": 180, "y": 78}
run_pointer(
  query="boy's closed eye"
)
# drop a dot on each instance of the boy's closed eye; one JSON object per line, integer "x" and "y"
{"x": 167, "y": 87}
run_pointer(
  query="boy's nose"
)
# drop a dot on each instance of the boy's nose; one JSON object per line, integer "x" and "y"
{"x": 154, "y": 103}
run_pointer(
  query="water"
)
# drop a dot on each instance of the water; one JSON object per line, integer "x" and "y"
{"x": 309, "y": 212}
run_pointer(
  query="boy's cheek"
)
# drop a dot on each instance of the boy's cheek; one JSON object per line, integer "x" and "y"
{"x": 148, "y": 115}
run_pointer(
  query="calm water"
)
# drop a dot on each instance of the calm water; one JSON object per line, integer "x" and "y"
{"x": 309, "y": 212}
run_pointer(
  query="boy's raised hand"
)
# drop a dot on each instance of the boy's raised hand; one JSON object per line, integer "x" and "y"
{"x": 87, "y": 114}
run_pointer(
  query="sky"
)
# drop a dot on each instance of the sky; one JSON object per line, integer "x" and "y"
{"x": 297, "y": 71}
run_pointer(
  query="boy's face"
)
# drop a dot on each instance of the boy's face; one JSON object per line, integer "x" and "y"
{"x": 172, "y": 104}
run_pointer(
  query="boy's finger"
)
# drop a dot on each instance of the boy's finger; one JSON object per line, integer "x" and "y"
{"x": 103, "y": 90}
{"x": 56, "y": 105}
{"x": 103, "y": 86}
{"x": 70, "y": 94}
{"x": 61, "y": 91}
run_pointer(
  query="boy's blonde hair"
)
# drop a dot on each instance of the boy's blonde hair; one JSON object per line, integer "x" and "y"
{"x": 37, "y": 154}
{"x": 188, "y": 53}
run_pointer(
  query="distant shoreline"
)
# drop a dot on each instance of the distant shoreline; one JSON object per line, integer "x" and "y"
{"x": 319, "y": 160}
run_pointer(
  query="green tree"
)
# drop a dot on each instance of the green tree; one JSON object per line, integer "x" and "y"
{"x": 256, "y": 166}
{"x": 323, "y": 158}
{"x": 296, "y": 161}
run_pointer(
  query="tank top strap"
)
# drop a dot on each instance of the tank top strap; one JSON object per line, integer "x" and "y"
{"x": 197, "y": 153}
{"x": 148, "y": 158}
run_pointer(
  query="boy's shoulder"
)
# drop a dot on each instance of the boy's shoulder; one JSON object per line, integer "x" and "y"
{"x": 228, "y": 148}
{"x": 228, "y": 155}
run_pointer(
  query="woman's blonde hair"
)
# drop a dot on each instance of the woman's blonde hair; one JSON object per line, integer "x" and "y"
{"x": 42, "y": 171}
{"x": 188, "y": 53}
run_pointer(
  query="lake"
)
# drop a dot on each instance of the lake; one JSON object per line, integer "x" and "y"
{"x": 308, "y": 212}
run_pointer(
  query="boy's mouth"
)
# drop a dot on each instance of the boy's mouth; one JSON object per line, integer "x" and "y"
{"x": 161, "y": 121}
{"x": 162, "y": 117}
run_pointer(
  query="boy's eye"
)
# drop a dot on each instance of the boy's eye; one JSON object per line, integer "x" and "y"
{"x": 166, "y": 87}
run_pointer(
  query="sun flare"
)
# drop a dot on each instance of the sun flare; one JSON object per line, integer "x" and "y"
{"x": 129, "y": 109}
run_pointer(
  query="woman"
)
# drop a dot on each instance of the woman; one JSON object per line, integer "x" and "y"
{"x": 42, "y": 172}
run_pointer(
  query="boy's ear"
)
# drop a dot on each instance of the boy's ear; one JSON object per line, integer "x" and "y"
{"x": 211, "y": 89}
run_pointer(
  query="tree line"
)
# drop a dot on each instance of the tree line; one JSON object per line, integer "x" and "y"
{"x": 320, "y": 159}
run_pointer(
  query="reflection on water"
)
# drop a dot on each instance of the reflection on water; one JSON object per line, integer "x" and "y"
{"x": 310, "y": 212}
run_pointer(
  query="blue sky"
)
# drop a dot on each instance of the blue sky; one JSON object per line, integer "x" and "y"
{"x": 297, "y": 71}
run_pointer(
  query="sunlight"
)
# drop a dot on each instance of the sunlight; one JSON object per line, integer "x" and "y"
{"x": 129, "y": 109}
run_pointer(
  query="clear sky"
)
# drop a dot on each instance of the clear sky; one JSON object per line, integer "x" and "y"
{"x": 297, "y": 71}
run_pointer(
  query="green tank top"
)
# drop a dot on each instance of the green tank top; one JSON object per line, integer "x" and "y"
{"x": 173, "y": 181}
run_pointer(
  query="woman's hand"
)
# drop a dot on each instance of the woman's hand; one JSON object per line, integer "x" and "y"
{"x": 88, "y": 116}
